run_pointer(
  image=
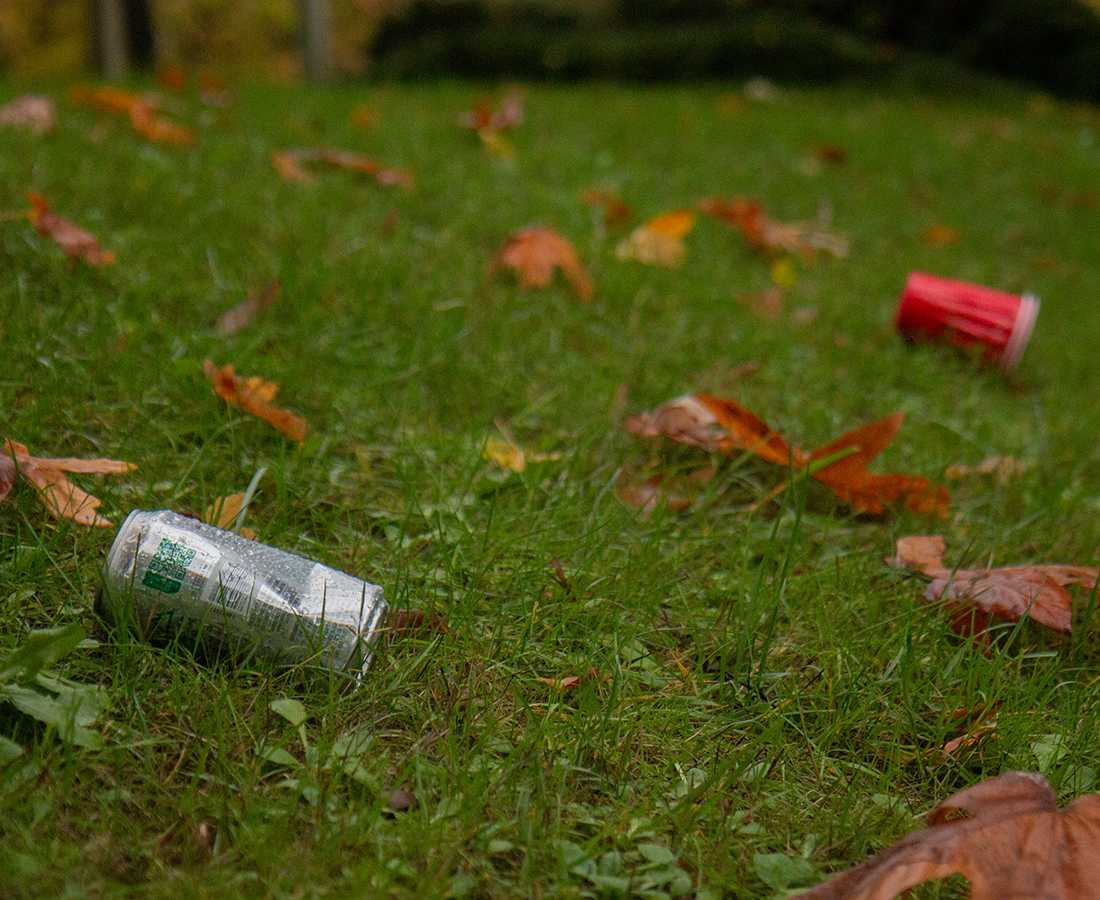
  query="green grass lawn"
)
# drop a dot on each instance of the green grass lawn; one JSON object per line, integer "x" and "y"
{"x": 766, "y": 685}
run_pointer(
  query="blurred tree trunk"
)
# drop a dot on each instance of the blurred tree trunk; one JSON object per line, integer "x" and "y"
{"x": 316, "y": 39}
{"x": 110, "y": 45}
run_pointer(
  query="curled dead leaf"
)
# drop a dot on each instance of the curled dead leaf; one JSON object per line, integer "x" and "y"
{"x": 223, "y": 512}
{"x": 60, "y": 496}
{"x": 244, "y": 313}
{"x": 410, "y": 621}
{"x": 770, "y": 236}
{"x": 615, "y": 210}
{"x": 767, "y": 305}
{"x": 940, "y": 235}
{"x": 140, "y": 109}
{"x": 724, "y": 426}
{"x": 534, "y": 254}
{"x": 1011, "y": 840}
{"x": 254, "y": 395}
{"x": 507, "y": 115}
{"x": 30, "y": 112}
{"x": 976, "y": 596}
{"x": 513, "y": 457}
{"x": 1002, "y": 468}
{"x": 660, "y": 241}
{"x": 159, "y": 130}
{"x": 869, "y": 492}
{"x": 291, "y": 165}
{"x": 715, "y": 425}
{"x": 74, "y": 241}
{"x": 569, "y": 682}
{"x": 833, "y": 154}
{"x": 401, "y": 799}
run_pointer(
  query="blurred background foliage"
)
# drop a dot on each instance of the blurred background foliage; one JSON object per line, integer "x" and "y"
{"x": 1052, "y": 43}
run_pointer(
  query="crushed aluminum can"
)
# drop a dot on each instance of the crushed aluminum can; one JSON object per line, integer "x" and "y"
{"x": 167, "y": 575}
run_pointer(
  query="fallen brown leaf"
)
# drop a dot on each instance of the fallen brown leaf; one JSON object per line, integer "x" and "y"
{"x": 401, "y": 799}
{"x": 414, "y": 620}
{"x": 511, "y": 456}
{"x": 715, "y": 425}
{"x": 1011, "y": 841}
{"x": 29, "y": 112}
{"x": 940, "y": 236}
{"x": 8, "y": 475}
{"x": 660, "y": 241}
{"x": 1002, "y": 468}
{"x": 74, "y": 241}
{"x": 159, "y": 130}
{"x": 223, "y": 512}
{"x": 980, "y": 726}
{"x": 724, "y": 426}
{"x": 647, "y": 496}
{"x": 767, "y": 305}
{"x": 61, "y": 497}
{"x": 769, "y": 236}
{"x": 869, "y": 492}
{"x": 291, "y": 165}
{"x": 976, "y": 596}
{"x": 254, "y": 395}
{"x": 244, "y": 313}
{"x": 615, "y": 210}
{"x": 534, "y": 253}
{"x": 364, "y": 116}
{"x": 140, "y": 109}
{"x": 172, "y": 77}
{"x": 832, "y": 154}
{"x": 569, "y": 682}
{"x": 484, "y": 117}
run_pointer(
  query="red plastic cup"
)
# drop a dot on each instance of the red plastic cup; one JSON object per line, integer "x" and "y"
{"x": 966, "y": 315}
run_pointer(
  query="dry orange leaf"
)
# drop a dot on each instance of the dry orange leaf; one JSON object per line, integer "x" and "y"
{"x": 62, "y": 498}
{"x": 569, "y": 682}
{"x": 483, "y": 117}
{"x": 767, "y": 305}
{"x": 724, "y": 426}
{"x": 833, "y": 154}
{"x": 868, "y": 492}
{"x": 29, "y": 112}
{"x": 940, "y": 236}
{"x": 74, "y": 241}
{"x": 769, "y": 236}
{"x": 511, "y": 456}
{"x": 108, "y": 99}
{"x": 646, "y": 496}
{"x": 254, "y": 395}
{"x": 172, "y": 77}
{"x": 414, "y": 620}
{"x": 1002, "y": 468}
{"x": 364, "y": 116}
{"x": 244, "y": 313}
{"x": 534, "y": 253}
{"x": 615, "y": 210}
{"x": 223, "y": 512}
{"x": 660, "y": 241}
{"x": 1006, "y": 836}
{"x": 141, "y": 111}
{"x": 976, "y": 596}
{"x": 159, "y": 130}
{"x": 290, "y": 164}
{"x": 714, "y": 425}
{"x": 980, "y": 726}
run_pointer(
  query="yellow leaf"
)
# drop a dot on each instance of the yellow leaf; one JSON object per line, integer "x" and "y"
{"x": 783, "y": 272}
{"x": 224, "y": 511}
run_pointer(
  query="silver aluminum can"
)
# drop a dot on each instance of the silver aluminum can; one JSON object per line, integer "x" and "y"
{"x": 167, "y": 574}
